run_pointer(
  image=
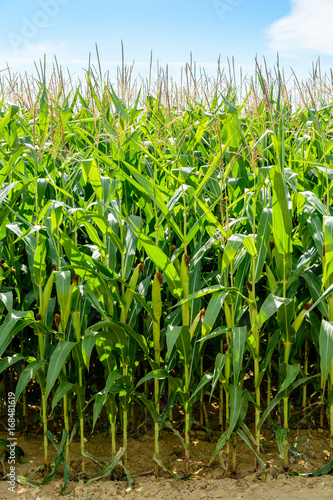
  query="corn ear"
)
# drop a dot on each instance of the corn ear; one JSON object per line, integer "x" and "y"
{"x": 65, "y": 317}
{"x": 272, "y": 284}
{"x": 156, "y": 297}
{"x": 299, "y": 319}
{"x": 228, "y": 316}
{"x": 47, "y": 294}
{"x": 195, "y": 323}
{"x": 76, "y": 320}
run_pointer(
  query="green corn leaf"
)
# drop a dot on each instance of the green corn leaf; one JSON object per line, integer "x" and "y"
{"x": 209, "y": 216}
{"x": 219, "y": 364}
{"x": 316, "y": 230}
{"x": 59, "y": 460}
{"x": 120, "y": 107}
{"x": 326, "y": 348}
{"x": 7, "y": 299}
{"x": 116, "y": 332}
{"x": 9, "y": 207}
{"x": 15, "y": 156}
{"x": 272, "y": 284}
{"x": 183, "y": 345}
{"x": 304, "y": 262}
{"x": 14, "y": 322}
{"x": 262, "y": 241}
{"x": 88, "y": 343}
{"x": 91, "y": 296}
{"x": 26, "y": 376}
{"x": 108, "y": 468}
{"x": 156, "y": 374}
{"x": 235, "y": 405}
{"x": 172, "y": 335}
{"x": 231, "y": 108}
{"x": 213, "y": 309}
{"x": 57, "y": 361}
{"x": 301, "y": 381}
{"x": 205, "y": 291}
{"x": 150, "y": 406}
{"x": 285, "y": 316}
{"x": 246, "y": 440}
{"x": 270, "y": 306}
{"x": 236, "y": 393}
{"x": 63, "y": 286}
{"x": 328, "y": 292}
{"x": 269, "y": 408}
{"x": 131, "y": 245}
{"x": 215, "y": 333}
{"x": 238, "y": 344}
{"x": 324, "y": 470}
{"x": 250, "y": 246}
{"x": 63, "y": 389}
{"x": 268, "y": 355}
{"x": 328, "y": 254}
{"x": 314, "y": 201}
{"x": 291, "y": 373}
{"x": 9, "y": 361}
{"x": 162, "y": 262}
{"x": 39, "y": 267}
{"x": 80, "y": 392}
{"x": 203, "y": 382}
{"x": 156, "y": 196}
{"x": 93, "y": 335}
{"x": 90, "y": 172}
{"x": 281, "y": 435}
{"x": 104, "y": 226}
{"x": 140, "y": 340}
{"x": 231, "y": 248}
{"x": 282, "y": 225}
{"x": 211, "y": 290}
{"x": 98, "y": 405}
{"x": 169, "y": 425}
{"x": 13, "y": 110}
{"x": 101, "y": 398}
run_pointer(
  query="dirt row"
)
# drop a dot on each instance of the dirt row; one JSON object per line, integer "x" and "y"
{"x": 309, "y": 452}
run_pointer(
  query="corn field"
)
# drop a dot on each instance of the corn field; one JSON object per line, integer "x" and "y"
{"x": 163, "y": 249}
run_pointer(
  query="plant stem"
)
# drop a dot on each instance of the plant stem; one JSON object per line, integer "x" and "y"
{"x": 125, "y": 423}
{"x": 287, "y": 348}
{"x": 306, "y": 363}
{"x": 201, "y": 393}
{"x": 81, "y": 424}
{"x": 44, "y": 404}
{"x": 331, "y": 410}
{"x": 321, "y": 416}
{"x": 66, "y": 422}
{"x": 269, "y": 371}
{"x": 157, "y": 308}
{"x": 227, "y": 400}
{"x": 112, "y": 416}
{"x": 256, "y": 334}
{"x": 187, "y": 441}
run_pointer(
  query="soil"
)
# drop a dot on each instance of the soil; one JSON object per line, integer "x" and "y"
{"x": 310, "y": 452}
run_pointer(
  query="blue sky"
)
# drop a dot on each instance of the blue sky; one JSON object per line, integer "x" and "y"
{"x": 300, "y": 30}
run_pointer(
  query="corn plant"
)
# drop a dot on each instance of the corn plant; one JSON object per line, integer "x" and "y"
{"x": 161, "y": 249}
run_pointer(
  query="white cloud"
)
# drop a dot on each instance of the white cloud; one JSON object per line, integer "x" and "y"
{"x": 306, "y": 30}
{"x": 31, "y": 53}
{"x": 21, "y": 61}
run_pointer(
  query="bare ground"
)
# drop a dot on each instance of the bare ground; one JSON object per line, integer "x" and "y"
{"x": 310, "y": 453}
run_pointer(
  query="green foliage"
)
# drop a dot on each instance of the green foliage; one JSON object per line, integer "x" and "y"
{"x": 143, "y": 242}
